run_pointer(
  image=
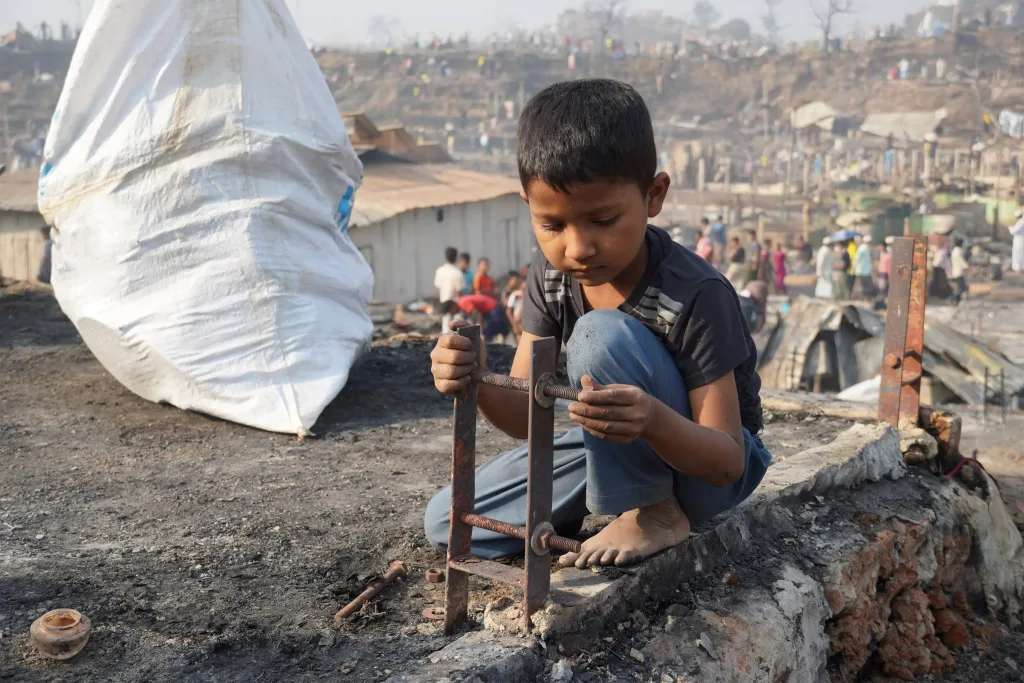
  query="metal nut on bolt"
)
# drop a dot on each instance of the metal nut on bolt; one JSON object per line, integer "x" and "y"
{"x": 891, "y": 360}
{"x": 539, "y": 541}
{"x": 434, "y": 576}
{"x": 544, "y": 400}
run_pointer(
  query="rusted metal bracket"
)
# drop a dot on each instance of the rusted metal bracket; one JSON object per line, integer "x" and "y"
{"x": 899, "y": 397}
{"x": 538, "y": 535}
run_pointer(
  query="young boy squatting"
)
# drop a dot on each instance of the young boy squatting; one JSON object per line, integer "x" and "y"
{"x": 669, "y": 410}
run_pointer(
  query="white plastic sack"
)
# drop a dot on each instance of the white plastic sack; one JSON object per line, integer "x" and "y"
{"x": 200, "y": 180}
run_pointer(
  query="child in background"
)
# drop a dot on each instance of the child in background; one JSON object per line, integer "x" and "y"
{"x": 483, "y": 283}
{"x": 669, "y": 410}
{"x": 467, "y": 273}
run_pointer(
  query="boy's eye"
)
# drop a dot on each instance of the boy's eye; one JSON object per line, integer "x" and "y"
{"x": 605, "y": 222}
{"x": 554, "y": 227}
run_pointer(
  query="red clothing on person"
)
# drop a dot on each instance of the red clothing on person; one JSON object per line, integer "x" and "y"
{"x": 479, "y": 303}
{"x": 483, "y": 284}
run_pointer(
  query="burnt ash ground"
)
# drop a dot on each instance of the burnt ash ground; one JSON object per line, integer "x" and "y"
{"x": 203, "y": 550}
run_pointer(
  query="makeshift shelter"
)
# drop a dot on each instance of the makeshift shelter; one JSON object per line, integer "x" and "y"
{"x": 912, "y": 125}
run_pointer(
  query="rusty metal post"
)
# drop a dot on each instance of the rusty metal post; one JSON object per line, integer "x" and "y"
{"x": 539, "y": 482}
{"x": 910, "y": 382}
{"x": 456, "y": 596}
{"x": 895, "y": 340}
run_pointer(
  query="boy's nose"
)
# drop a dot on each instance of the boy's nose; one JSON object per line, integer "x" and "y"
{"x": 578, "y": 245}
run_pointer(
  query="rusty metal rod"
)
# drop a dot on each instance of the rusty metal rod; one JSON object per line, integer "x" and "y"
{"x": 396, "y": 570}
{"x": 523, "y": 385}
{"x": 566, "y": 545}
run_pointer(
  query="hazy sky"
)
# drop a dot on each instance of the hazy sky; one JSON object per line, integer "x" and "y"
{"x": 338, "y": 22}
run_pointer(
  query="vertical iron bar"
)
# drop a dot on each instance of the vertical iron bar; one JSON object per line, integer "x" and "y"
{"x": 539, "y": 481}
{"x": 910, "y": 392}
{"x": 456, "y": 596}
{"x": 895, "y": 340}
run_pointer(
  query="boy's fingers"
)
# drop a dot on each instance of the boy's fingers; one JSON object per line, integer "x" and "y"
{"x": 446, "y": 371}
{"x": 453, "y": 357}
{"x": 448, "y": 386}
{"x": 454, "y": 341}
{"x": 603, "y": 428}
{"x": 622, "y": 396}
{"x": 600, "y": 412}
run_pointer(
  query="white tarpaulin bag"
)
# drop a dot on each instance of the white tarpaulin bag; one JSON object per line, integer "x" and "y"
{"x": 200, "y": 181}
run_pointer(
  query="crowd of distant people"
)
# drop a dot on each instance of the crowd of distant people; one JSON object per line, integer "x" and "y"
{"x": 473, "y": 296}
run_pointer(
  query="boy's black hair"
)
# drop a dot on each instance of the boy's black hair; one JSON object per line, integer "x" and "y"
{"x": 704, "y": 221}
{"x": 587, "y": 130}
{"x": 465, "y": 257}
{"x": 451, "y": 254}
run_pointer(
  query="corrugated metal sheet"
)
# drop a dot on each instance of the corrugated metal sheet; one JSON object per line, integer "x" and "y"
{"x": 391, "y": 189}
{"x": 388, "y": 189}
{"x": 814, "y": 113}
{"x": 915, "y": 124}
{"x": 19, "y": 191}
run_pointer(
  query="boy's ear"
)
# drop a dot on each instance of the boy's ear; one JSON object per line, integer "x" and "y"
{"x": 522, "y": 193}
{"x": 657, "y": 193}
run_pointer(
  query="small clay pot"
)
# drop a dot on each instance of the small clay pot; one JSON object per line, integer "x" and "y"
{"x": 61, "y": 633}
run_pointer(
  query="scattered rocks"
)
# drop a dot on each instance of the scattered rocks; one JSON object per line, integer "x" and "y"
{"x": 637, "y": 655}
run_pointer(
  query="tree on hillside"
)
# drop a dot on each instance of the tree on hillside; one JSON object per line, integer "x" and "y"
{"x": 825, "y": 13}
{"x": 605, "y": 15}
{"x": 705, "y": 14}
{"x": 735, "y": 29}
{"x": 770, "y": 21}
{"x": 382, "y": 28}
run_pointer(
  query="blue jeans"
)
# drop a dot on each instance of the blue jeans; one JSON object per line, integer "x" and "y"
{"x": 592, "y": 474}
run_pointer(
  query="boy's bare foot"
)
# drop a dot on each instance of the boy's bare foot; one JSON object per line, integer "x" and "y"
{"x": 633, "y": 536}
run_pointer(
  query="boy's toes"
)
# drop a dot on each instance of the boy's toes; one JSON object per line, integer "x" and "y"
{"x": 626, "y": 558}
{"x": 568, "y": 560}
{"x": 607, "y": 557}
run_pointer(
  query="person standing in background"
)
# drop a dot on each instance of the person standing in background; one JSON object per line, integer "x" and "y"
{"x": 1017, "y": 255}
{"x": 736, "y": 257}
{"x": 851, "y": 251}
{"x": 753, "y": 249}
{"x": 863, "y": 269}
{"x": 823, "y": 288}
{"x": 884, "y": 268}
{"x": 467, "y": 274}
{"x": 840, "y": 268}
{"x": 482, "y": 282}
{"x": 705, "y": 249}
{"x": 959, "y": 269}
{"x": 718, "y": 238}
{"x": 449, "y": 283}
{"x": 779, "y": 257}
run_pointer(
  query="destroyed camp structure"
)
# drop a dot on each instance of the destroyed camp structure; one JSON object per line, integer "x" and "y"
{"x": 824, "y": 346}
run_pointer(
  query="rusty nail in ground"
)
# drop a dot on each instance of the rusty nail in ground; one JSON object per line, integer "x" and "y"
{"x": 434, "y": 613}
{"x": 891, "y": 360}
{"x": 396, "y": 570}
{"x": 435, "y": 576}
{"x": 61, "y": 633}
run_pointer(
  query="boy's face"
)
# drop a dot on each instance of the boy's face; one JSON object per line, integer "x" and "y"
{"x": 463, "y": 264}
{"x": 596, "y": 230}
